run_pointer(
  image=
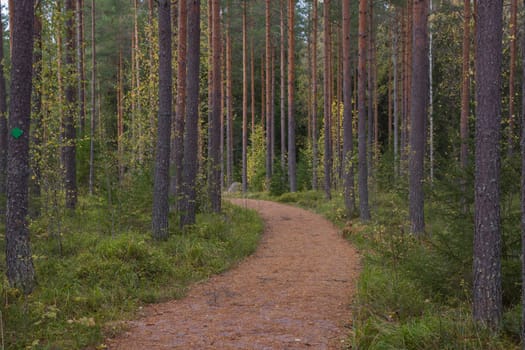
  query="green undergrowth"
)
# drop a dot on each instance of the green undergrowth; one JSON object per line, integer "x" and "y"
{"x": 101, "y": 268}
{"x": 415, "y": 293}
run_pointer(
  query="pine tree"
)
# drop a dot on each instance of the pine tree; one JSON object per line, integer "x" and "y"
{"x": 20, "y": 270}
{"x": 487, "y": 298}
{"x": 162, "y": 158}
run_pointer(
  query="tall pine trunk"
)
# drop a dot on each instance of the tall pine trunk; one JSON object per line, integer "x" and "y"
{"x": 348, "y": 142}
{"x": 191, "y": 127}
{"x": 229, "y": 105}
{"x": 315, "y": 133}
{"x": 19, "y": 261}
{"x": 244, "y": 98}
{"x": 93, "y": 102}
{"x": 283, "y": 87}
{"x": 364, "y": 210}
{"x": 268, "y": 94}
{"x": 291, "y": 102}
{"x": 487, "y": 298}
{"x": 162, "y": 156}
{"x": 214, "y": 129}
{"x": 327, "y": 103}
{"x": 512, "y": 73}
{"x": 3, "y": 126}
{"x": 81, "y": 69}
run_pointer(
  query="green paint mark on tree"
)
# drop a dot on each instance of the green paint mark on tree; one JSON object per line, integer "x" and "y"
{"x": 17, "y": 132}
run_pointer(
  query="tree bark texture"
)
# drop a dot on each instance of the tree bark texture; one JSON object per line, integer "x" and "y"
{"x": 418, "y": 115}
{"x": 364, "y": 210}
{"x": 283, "y": 86}
{"x": 81, "y": 69}
{"x": 291, "y": 91}
{"x": 162, "y": 154}
{"x": 69, "y": 147}
{"x": 348, "y": 143}
{"x": 20, "y": 270}
{"x": 487, "y": 299}
{"x": 465, "y": 87}
{"x": 315, "y": 132}
{"x": 3, "y": 125}
{"x": 214, "y": 128}
{"x": 328, "y": 159}
{"x": 191, "y": 127}
{"x": 244, "y": 98}
{"x": 268, "y": 93}
{"x": 512, "y": 73}
{"x": 93, "y": 102}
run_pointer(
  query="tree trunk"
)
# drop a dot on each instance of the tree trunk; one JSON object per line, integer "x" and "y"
{"x": 512, "y": 74}
{"x": 93, "y": 102}
{"x": 418, "y": 115}
{"x": 162, "y": 156}
{"x": 364, "y": 211}
{"x": 120, "y": 117}
{"x": 465, "y": 87}
{"x": 229, "y": 106}
{"x": 327, "y": 103}
{"x": 69, "y": 148}
{"x": 487, "y": 299}
{"x": 268, "y": 93}
{"x": 20, "y": 270}
{"x": 191, "y": 127}
{"x": 214, "y": 128}
{"x": 177, "y": 145}
{"x": 283, "y": 87}
{"x": 395, "y": 49}
{"x": 523, "y": 191}
{"x": 315, "y": 133}
{"x": 244, "y": 99}
{"x": 369, "y": 76}
{"x": 81, "y": 69}
{"x": 291, "y": 90}
{"x": 252, "y": 83}
{"x": 3, "y": 126}
{"x": 348, "y": 142}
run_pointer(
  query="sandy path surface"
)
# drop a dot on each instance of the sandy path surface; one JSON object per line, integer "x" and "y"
{"x": 292, "y": 293}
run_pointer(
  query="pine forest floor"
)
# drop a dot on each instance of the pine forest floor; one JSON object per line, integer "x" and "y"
{"x": 294, "y": 292}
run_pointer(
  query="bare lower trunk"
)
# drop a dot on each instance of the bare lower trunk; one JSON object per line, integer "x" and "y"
{"x": 162, "y": 154}
{"x": 348, "y": 143}
{"x": 191, "y": 128}
{"x": 19, "y": 262}
{"x": 487, "y": 298}
{"x": 364, "y": 210}
{"x": 291, "y": 103}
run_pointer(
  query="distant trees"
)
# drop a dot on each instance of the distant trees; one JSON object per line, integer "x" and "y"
{"x": 418, "y": 109}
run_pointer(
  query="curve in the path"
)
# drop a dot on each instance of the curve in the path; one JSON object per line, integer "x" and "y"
{"x": 294, "y": 292}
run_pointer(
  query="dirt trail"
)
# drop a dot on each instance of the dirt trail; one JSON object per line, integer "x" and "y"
{"x": 292, "y": 293}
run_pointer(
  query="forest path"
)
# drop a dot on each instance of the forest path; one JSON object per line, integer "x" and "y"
{"x": 294, "y": 292}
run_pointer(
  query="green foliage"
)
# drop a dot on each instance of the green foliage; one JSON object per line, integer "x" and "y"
{"x": 96, "y": 278}
{"x": 256, "y": 160}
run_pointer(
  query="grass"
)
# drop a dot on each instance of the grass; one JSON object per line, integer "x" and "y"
{"x": 414, "y": 293}
{"x": 101, "y": 268}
